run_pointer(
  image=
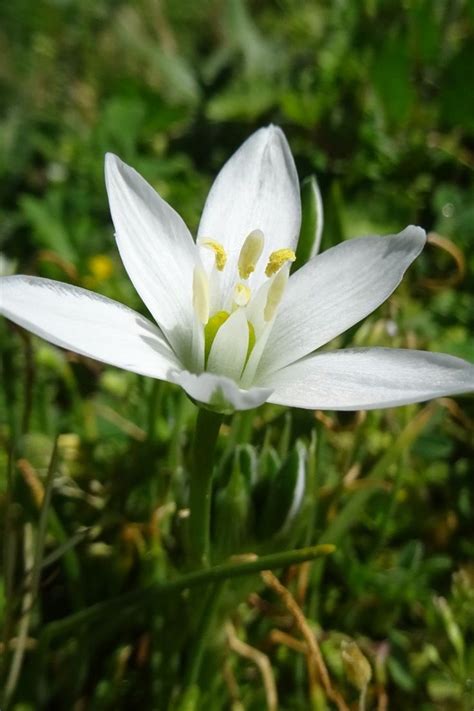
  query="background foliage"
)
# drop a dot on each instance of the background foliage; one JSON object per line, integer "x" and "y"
{"x": 376, "y": 99}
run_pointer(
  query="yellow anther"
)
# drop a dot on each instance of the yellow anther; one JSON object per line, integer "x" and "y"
{"x": 250, "y": 253}
{"x": 242, "y": 294}
{"x": 275, "y": 294}
{"x": 277, "y": 260}
{"x": 211, "y": 328}
{"x": 201, "y": 294}
{"x": 219, "y": 252}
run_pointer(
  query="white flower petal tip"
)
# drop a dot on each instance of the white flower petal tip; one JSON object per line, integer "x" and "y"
{"x": 369, "y": 378}
{"x": 337, "y": 289}
{"x": 217, "y": 392}
{"x": 417, "y": 237}
{"x": 415, "y": 232}
{"x": 87, "y": 323}
{"x": 257, "y": 189}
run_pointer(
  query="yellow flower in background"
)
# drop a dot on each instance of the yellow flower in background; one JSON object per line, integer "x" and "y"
{"x": 101, "y": 267}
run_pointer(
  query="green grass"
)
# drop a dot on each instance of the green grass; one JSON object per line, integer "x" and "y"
{"x": 95, "y": 463}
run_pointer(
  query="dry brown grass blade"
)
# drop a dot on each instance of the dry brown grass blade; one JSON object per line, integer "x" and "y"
{"x": 29, "y": 644}
{"x": 314, "y": 652}
{"x": 302, "y": 581}
{"x": 280, "y": 637}
{"x": 453, "y": 250}
{"x": 51, "y": 257}
{"x": 32, "y": 480}
{"x": 232, "y": 686}
{"x": 260, "y": 660}
{"x": 457, "y": 412}
{"x": 122, "y": 423}
{"x": 24, "y": 622}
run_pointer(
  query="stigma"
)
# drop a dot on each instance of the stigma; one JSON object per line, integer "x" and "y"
{"x": 242, "y": 294}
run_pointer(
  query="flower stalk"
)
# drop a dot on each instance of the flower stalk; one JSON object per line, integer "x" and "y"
{"x": 205, "y": 437}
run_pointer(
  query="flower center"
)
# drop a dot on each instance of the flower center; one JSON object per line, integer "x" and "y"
{"x": 213, "y": 308}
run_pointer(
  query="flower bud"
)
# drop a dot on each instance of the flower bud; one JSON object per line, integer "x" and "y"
{"x": 356, "y": 665}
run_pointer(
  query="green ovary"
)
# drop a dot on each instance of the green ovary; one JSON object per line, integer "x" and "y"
{"x": 211, "y": 328}
{"x": 251, "y": 340}
{"x": 214, "y": 324}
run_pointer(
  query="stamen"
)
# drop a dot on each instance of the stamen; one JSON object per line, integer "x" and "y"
{"x": 201, "y": 294}
{"x": 275, "y": 294}
{"x": 211, "y": 328}
{"x": 242, "y": 294}
{"x": 277, "y": 260}
{"x": 250, "y": 253}
{"x": 219, "y": 252}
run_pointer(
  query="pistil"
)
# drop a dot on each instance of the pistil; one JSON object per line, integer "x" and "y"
{"x": 242, "y": 294}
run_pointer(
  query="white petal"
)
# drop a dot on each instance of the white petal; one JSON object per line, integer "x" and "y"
{"x": 218, "y": 392}
{"x": 257, "y": 189}
{"x": 255, "y": 314}
{"x": 197, "y": 346}
{"x": 250, "y": 369}
{"x": 86, "y": 323}
{"x": 256, "y": 308}
{"x": 335, "y": 290}
{"x": 157, "y": 250}
{"x": 369, "y": 378}
{"x": 229, "y": 349}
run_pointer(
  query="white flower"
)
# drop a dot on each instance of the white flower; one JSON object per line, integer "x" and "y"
{"x": 233, "y": 330}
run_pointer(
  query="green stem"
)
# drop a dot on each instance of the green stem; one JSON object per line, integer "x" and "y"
{"x": 128, "y": 602}
{"x": 205, "y": 438}
{"x": 197, "y": 649}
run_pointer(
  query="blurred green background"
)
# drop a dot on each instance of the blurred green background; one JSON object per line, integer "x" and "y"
{"x": 376, "y": 98}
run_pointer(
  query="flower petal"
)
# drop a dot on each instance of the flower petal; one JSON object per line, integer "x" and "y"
{"x": 229, "y": 349}
{"x": 86, "y": 323}
{"x": 369, "y": 378}
{"x": 257, "y": 188}
{"x": 335, "y": 290}
{"x": 256, "y": 316}
{"x": 157, "y": 250}
{"x": 218, "y": 392}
